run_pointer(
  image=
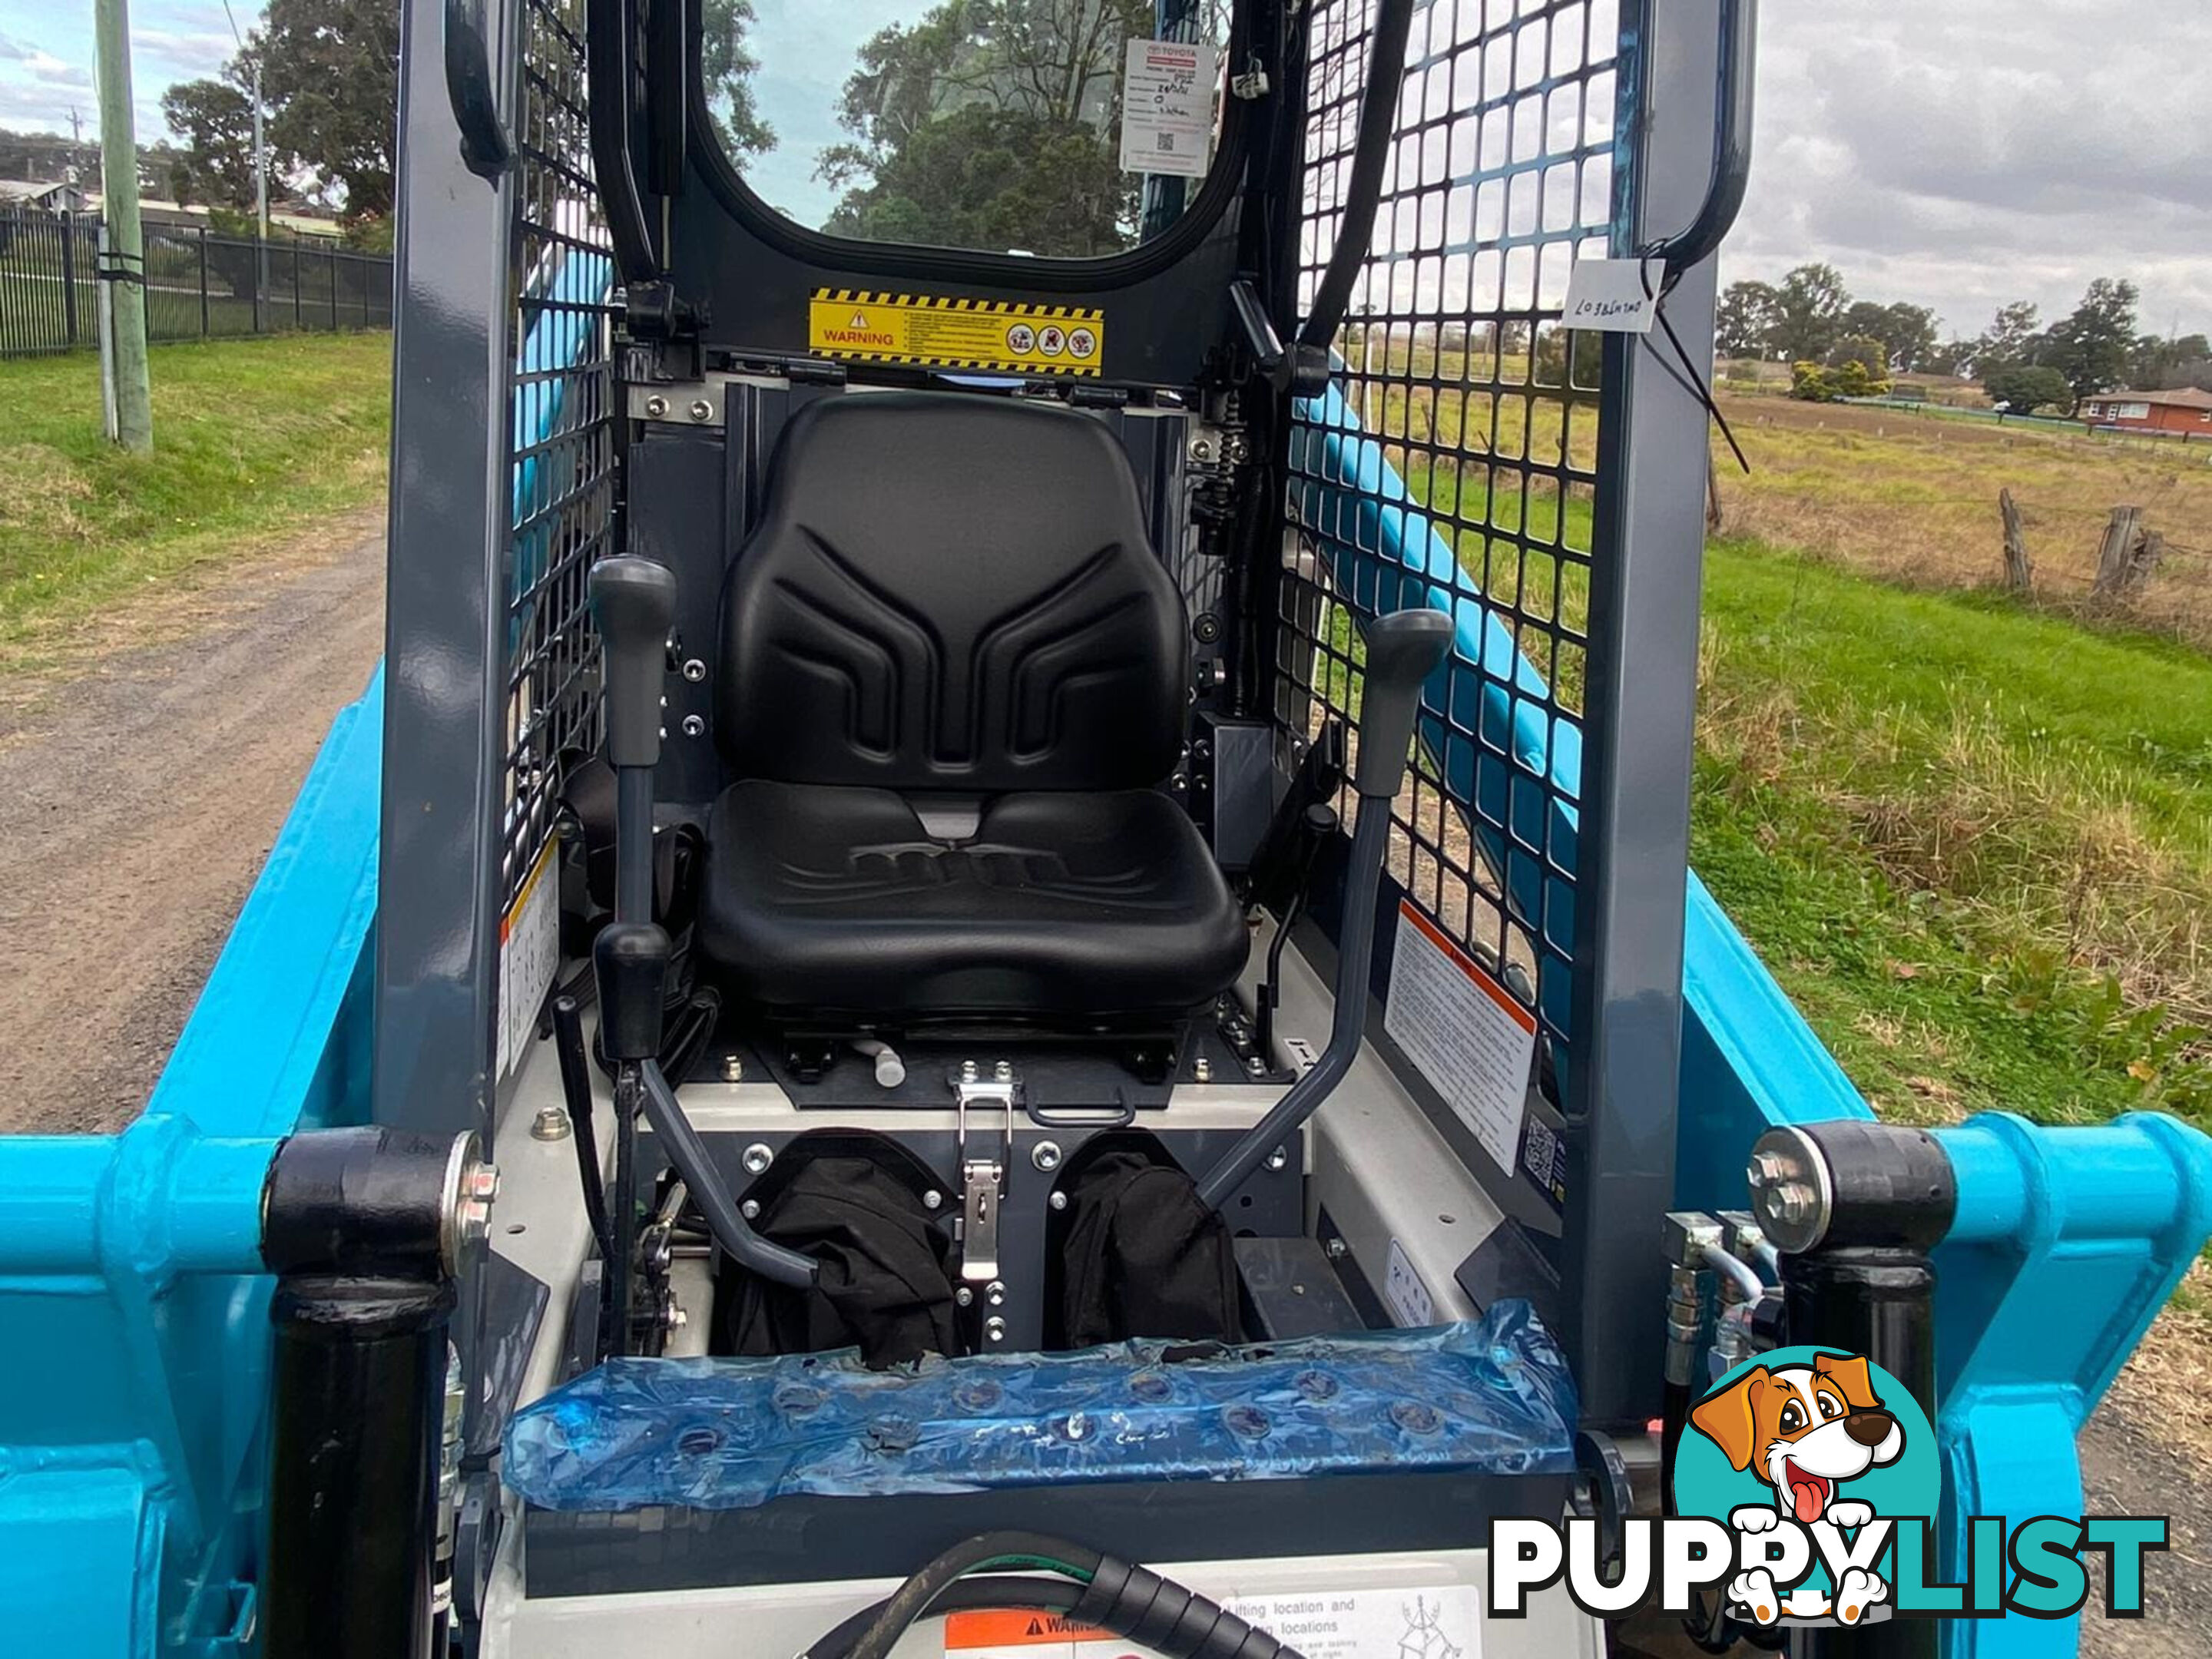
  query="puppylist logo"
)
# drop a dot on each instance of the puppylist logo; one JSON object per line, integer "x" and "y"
{"x": 1807, "y": 1486}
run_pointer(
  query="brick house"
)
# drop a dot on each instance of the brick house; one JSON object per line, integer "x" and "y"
{"x": 2186, "y": 411}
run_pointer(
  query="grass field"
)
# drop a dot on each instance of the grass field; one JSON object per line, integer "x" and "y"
{"x": 253, "y": 439}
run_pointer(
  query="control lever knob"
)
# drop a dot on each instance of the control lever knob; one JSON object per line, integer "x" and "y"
{"x": 634, "y": 604}
{"x": 1403, "y": 649}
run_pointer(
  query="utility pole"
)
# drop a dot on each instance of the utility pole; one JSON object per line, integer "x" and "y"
{"x": 260, "y": 156}
{"x": 123, "y": 271}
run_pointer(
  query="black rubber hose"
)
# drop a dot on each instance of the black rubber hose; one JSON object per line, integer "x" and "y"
{"x": 1370, "y": 156}
{"x": 990, "y": 1549}
{"x": 576, "y": 1087}
{"x": 964, "y": 1595}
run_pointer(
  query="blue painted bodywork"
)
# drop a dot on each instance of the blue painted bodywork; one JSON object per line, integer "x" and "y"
{"x": 130, "y": 1412}
{"x": 132, "y": 1307}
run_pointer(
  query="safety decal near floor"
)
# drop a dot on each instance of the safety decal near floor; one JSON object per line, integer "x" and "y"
{"x": 945, "y": 331}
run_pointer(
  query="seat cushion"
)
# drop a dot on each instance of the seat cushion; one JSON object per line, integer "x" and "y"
{"x": 1064, "y": 908}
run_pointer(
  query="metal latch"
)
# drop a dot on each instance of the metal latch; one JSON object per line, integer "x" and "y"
{"x": 983, "y": 1174}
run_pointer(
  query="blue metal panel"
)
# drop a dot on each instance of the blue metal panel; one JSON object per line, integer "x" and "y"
{"x": 129, "y": 1264}
{"x": 2066, "y": 1244}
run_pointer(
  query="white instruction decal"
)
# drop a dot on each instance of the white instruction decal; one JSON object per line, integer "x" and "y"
{"x": 1440, "y": 1621}
{"x": 1614, "y": 296}
{"x": 529, "y": 956}
{"x": 1464, "y": 1030}
{"x": 1167, "y": 108}
{"x": 1402, "y": 1288}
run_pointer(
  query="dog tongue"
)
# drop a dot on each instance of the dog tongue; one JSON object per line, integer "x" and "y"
{"x": 1807, "y": 1495}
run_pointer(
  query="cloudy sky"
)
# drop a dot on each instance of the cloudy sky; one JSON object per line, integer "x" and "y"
{"x": 1957, "y": 155}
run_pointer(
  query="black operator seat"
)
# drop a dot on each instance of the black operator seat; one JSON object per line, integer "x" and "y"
{"x": 952, "y": 674}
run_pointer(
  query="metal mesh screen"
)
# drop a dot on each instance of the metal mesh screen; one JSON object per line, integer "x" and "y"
{"x": 1453, "y": 462}
{"x": 560, "y": 400}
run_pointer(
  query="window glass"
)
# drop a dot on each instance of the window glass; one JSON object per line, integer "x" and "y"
{"x": 1060, "y": 128}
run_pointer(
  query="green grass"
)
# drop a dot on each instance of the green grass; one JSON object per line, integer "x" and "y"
{"x": 1973, "y": 842}
{"x": 252, "y": 441}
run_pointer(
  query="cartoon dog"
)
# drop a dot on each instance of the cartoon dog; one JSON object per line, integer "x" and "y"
{"x": 1808, "y": 1429}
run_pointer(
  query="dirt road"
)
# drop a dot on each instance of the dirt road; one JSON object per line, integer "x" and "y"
{"x": 137, "y": 801}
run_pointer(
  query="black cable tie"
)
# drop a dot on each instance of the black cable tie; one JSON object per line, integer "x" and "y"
{"x": 1694, "y": 384}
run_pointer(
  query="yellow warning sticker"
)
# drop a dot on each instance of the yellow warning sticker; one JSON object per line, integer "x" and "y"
{"x": 943, "y": 330}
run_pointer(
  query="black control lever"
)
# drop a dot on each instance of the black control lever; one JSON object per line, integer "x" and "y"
{"x": 634, "y": 604}
{"x": 1403, "y": 649}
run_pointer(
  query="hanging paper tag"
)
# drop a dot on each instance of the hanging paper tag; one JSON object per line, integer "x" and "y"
{"x": 1607, "y": 294}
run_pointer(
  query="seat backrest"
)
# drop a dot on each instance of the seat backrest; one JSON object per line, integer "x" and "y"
{"x": 950, "y": 592}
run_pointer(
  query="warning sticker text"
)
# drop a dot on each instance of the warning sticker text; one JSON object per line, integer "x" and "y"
{"x": 1470, "y": 1038}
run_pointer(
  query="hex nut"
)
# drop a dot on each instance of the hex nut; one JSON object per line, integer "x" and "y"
{"x": 551, "y": 1123}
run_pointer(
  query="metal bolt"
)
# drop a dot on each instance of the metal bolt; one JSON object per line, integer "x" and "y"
{"x": 484, "y": 1182}
{"x": 655, "y": 407}
{"x": 1201, "y": 450}
{"x": 472, "y": 1215}
{"x": 1278, "y": 1158}
{"x": 758, "y": 1157}
{"x": 750, "y": 1209}
{"x": 1791, "y": 1203}
{"x": 1201, "y": 1070}
{"x": 1003, "y": 1072}
{"x": 693, "y": 725}
{"x": 932, "y": 1199}
{"x": 1766, "y": 1168}
{"x": 1046, "y": 1155}
{"x": 695, "y": 671}
{"x": 967, "y": 1070}
{"x": 1336, "y": 1249}
{"x": 965, "y": 1296}
{"x": 994, "y": 1329}
{"x": 678, "y": 1319}
{"x": 1058, "y": 1200}
{"x": 733, "y": 1068}
{"x": 1256, "y": 1065}
{"x": 701, "y": 409}
{"x": 994, "y": 1294}
{"x": 551, "y": 1123}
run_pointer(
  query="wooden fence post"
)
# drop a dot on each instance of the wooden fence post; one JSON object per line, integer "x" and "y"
{"x": 2143, "y": 557}
{"x": 2020, "y": 569}
{"x": 2113, "y": 553}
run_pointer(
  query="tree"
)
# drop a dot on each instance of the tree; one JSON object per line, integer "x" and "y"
{"x": 1746, "y": 320}
{"x": 1951, "y": 357}
{"x": 2093, "y": 346}
{"x": 2010, "y": 339}
{"x": 726, "y": 65}
{"x": 330, "y": 73}
{"x": 2160, "y": 365}
{"x": 1812, "y": 383}
{"x": 1812, "y": 301}
{"x": 1868, "y": 352}
{"x": 2026, "y": 387}
{"x": 214, "y": 121}
{"x": 1909, "y": 332}
{"x": 991, "y": 124}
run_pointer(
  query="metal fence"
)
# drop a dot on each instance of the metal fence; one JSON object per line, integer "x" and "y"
{"x": 200, "y": 284}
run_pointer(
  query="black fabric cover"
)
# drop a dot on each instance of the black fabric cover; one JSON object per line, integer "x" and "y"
{"x": 885, "y": 1285}
{"x": 837, "y": 901}
{"x": 1142, "y": 1257}
{"x": 950, "y": 592}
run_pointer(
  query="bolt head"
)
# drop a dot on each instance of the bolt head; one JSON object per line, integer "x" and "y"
{"x": 701, "y": 409}
{"x": 482, "y": 1182}
{"x": 994, "y": 1329}
{"x": 1201, "y": 1070}
{"x": 965, "y": 1296}
{"x": 1046, "y": 1155}
{"x": 932, "y": 1199}
{"x": 693, "y": 725}
{"x": 1766, "y": 1168}
{"x": 656, "y": 407}
{"x": 1003, "y": 1072}
{"x": 1256, "y": 1065}
{"x": 678, "y": 1319}
{"x": 1792, "y": 1203}
{"x": 758, "y": 1157}
{"x": 733, "y": 1068}
{"x": 695, "y": 671}
{"x": 750, "y": 1209}
{"x": 551, "y": 1123}
{"x": 1336, "y": 1249}
{"x": 1278, "y": 1158}
{"x": 1058, "y": 1200}
{"x": 994, "y": 1294}
{"x": 967, "y": 1070}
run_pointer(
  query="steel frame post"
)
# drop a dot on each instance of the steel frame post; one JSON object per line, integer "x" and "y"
{"x": 1640, "y": 706}
{"x": 444, "y": 640}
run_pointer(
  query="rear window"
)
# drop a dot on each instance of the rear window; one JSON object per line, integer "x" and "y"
{"x": 1067, "y": 129}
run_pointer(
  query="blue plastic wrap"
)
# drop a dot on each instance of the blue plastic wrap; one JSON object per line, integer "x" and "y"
{"x": 1490, "y": 1396}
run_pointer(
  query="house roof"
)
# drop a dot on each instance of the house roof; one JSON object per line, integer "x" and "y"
{"x": 2187, "y": 396}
